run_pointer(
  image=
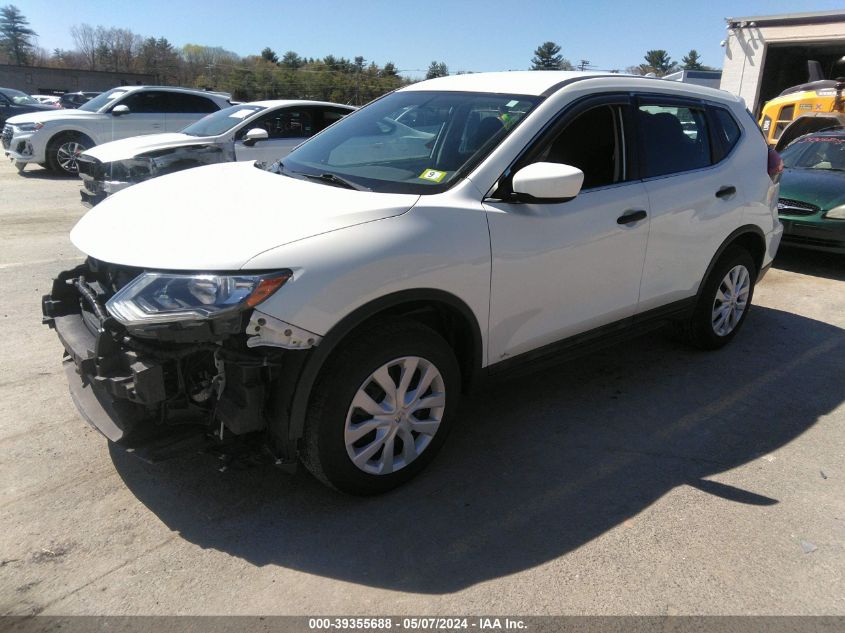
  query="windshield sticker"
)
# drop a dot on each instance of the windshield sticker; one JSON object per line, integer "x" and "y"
{"x": 511, "y": 104}
{"x": 241, "y": 114}
{"x": 433, "y": 175}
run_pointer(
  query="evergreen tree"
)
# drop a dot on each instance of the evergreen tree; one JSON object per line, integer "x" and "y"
{"x": 15, "y": 35}
{"x": 547, "y": 57}
{"x": 692, "y": 61}
{"x": 437, "y": 69}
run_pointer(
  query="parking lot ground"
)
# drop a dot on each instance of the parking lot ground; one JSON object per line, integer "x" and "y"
{"x": 644, "y": 479}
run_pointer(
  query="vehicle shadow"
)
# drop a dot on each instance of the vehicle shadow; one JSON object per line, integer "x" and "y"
{"x": 42, "y": 173}
{"x": 815, "y": 263}
{"x": 537, "y": 466}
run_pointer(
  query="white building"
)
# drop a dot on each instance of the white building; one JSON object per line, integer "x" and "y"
{"x": 766, "y": 54}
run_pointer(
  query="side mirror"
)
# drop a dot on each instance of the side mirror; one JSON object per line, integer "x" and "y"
{"x": 120, "y": 110}
{"x": 254, "y": 135}
{"x": 548, "y": 182}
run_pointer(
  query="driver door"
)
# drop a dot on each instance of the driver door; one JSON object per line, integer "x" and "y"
{"x": 564, "y": 268}
{"x": 286, "y": 128}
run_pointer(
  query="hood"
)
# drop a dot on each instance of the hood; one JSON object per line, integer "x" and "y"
{"x": 131, "y": 147}
{"x": 51, "y": 114}
{"x": 824, "y": 188}
{"x": 36, "y": 109}
{"x": 218, "y": 217}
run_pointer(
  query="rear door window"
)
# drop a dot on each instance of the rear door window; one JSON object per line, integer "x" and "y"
{"x": 674, "y": 138}
{"x": 179, "y": 102}
{"x": 147, "y": 102}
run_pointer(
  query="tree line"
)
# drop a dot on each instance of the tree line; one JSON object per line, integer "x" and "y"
{"x": 267, "y": 75}
{"x": 547, "y": 57}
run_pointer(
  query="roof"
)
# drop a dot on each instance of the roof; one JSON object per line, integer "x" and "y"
{"x": 523, "y": 82}
{"x": 207, "y": 93}
{"x": 272, "y": 103}
{"x": 787, "y": 19}
{"x": 546, "y": 82}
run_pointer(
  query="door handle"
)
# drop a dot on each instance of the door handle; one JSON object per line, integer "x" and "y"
{"x": 726, "y": 192}
{"x": 629, "y": 217}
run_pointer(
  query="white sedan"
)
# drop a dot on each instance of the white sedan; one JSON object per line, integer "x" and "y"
{"x": 261, "y": 130}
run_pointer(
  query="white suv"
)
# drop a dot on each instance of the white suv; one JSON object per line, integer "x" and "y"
{"x": 334, "y": 307}
{"x": 56, "y": 138}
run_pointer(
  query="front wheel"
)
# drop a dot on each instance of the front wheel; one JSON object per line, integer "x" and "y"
{"x": 381, "y": 408}
{"x": 63, "y": 152}
{"x": 724, "y": 302}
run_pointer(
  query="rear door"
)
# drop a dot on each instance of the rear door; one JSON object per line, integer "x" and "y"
{"x": 695, "y": 197}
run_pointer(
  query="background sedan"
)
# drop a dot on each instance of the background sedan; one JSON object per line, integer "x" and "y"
{"x": 261, "y": 130}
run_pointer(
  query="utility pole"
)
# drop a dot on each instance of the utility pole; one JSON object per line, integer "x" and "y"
{"x": 583, "y": 65}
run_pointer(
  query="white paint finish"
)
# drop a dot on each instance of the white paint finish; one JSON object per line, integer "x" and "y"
{"x": 269, "y": 150}
{"x": 689, "y": 223}
{"x": 560, "y": 269}
{"x": 557, "y": 269}
{"x": 548, "y": 180}
{"x": 220, "y": 216}
{"x": 130, "y": 147}
{"x": 441, "y": 244}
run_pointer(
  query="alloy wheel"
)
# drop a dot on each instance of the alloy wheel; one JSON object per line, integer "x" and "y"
{"x": 67, "y": 156}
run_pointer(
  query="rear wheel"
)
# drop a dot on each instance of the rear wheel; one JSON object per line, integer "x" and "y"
{"x": 724, "y": 301}
{"x": 381, "y": 408}
{"x": 64, "y": 150}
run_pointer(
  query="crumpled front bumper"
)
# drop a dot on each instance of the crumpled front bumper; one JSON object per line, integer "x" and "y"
{"x": 117, "y": 390}
{"x": 176, "y": 388}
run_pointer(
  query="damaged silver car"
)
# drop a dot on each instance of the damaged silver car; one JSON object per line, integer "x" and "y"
{"x": 261, "y": 130}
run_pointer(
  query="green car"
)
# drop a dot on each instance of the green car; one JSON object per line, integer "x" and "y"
{"x": 812, "y": 192}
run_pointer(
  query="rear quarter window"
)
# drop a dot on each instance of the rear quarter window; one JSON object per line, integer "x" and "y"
{"x": 725, "y": 130}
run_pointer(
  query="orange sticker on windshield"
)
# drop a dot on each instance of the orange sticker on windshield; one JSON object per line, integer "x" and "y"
{"x": 433, "y": 175}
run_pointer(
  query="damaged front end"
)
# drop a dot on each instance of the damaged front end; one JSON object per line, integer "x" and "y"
{"x": 100, "y": 180}
{"x": 161, "y": 362}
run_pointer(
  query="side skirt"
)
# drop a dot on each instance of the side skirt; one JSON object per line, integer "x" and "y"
{"x": 592, "y": 340}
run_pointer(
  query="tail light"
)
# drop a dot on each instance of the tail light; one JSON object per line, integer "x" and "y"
{"x": 775, "y": 166}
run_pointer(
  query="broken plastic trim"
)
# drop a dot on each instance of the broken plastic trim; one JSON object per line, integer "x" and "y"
{"x": 265, "y": 330}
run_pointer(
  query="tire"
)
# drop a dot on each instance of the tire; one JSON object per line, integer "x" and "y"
{"x": 711, "y": 326}
{"x": 335, "y": 430}
{"x": 62, "y": 151}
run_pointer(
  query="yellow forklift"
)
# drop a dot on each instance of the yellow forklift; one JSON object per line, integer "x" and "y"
{"x": 811, "y": 107}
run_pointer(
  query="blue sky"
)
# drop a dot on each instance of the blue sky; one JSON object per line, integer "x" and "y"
{"x": 476, "y": 35}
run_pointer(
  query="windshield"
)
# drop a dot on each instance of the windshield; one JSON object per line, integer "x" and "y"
{"x": 107, "y": 98}
{"x": 816, "y": 152}
{"x": 411, "y": 141}
{"x": 221, "y": 121}
{"x": 19, "y": 98}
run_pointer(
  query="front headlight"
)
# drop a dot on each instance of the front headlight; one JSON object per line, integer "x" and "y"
{"x": 836, "y": 213}
{"x": 29, "y": 127}
{"x": 166, "y": 298}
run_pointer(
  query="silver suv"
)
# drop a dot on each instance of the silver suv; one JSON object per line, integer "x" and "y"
{"x": 54, "y": 139}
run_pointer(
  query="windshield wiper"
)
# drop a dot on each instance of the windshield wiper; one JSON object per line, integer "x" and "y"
{"x": 332, "y": 179}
